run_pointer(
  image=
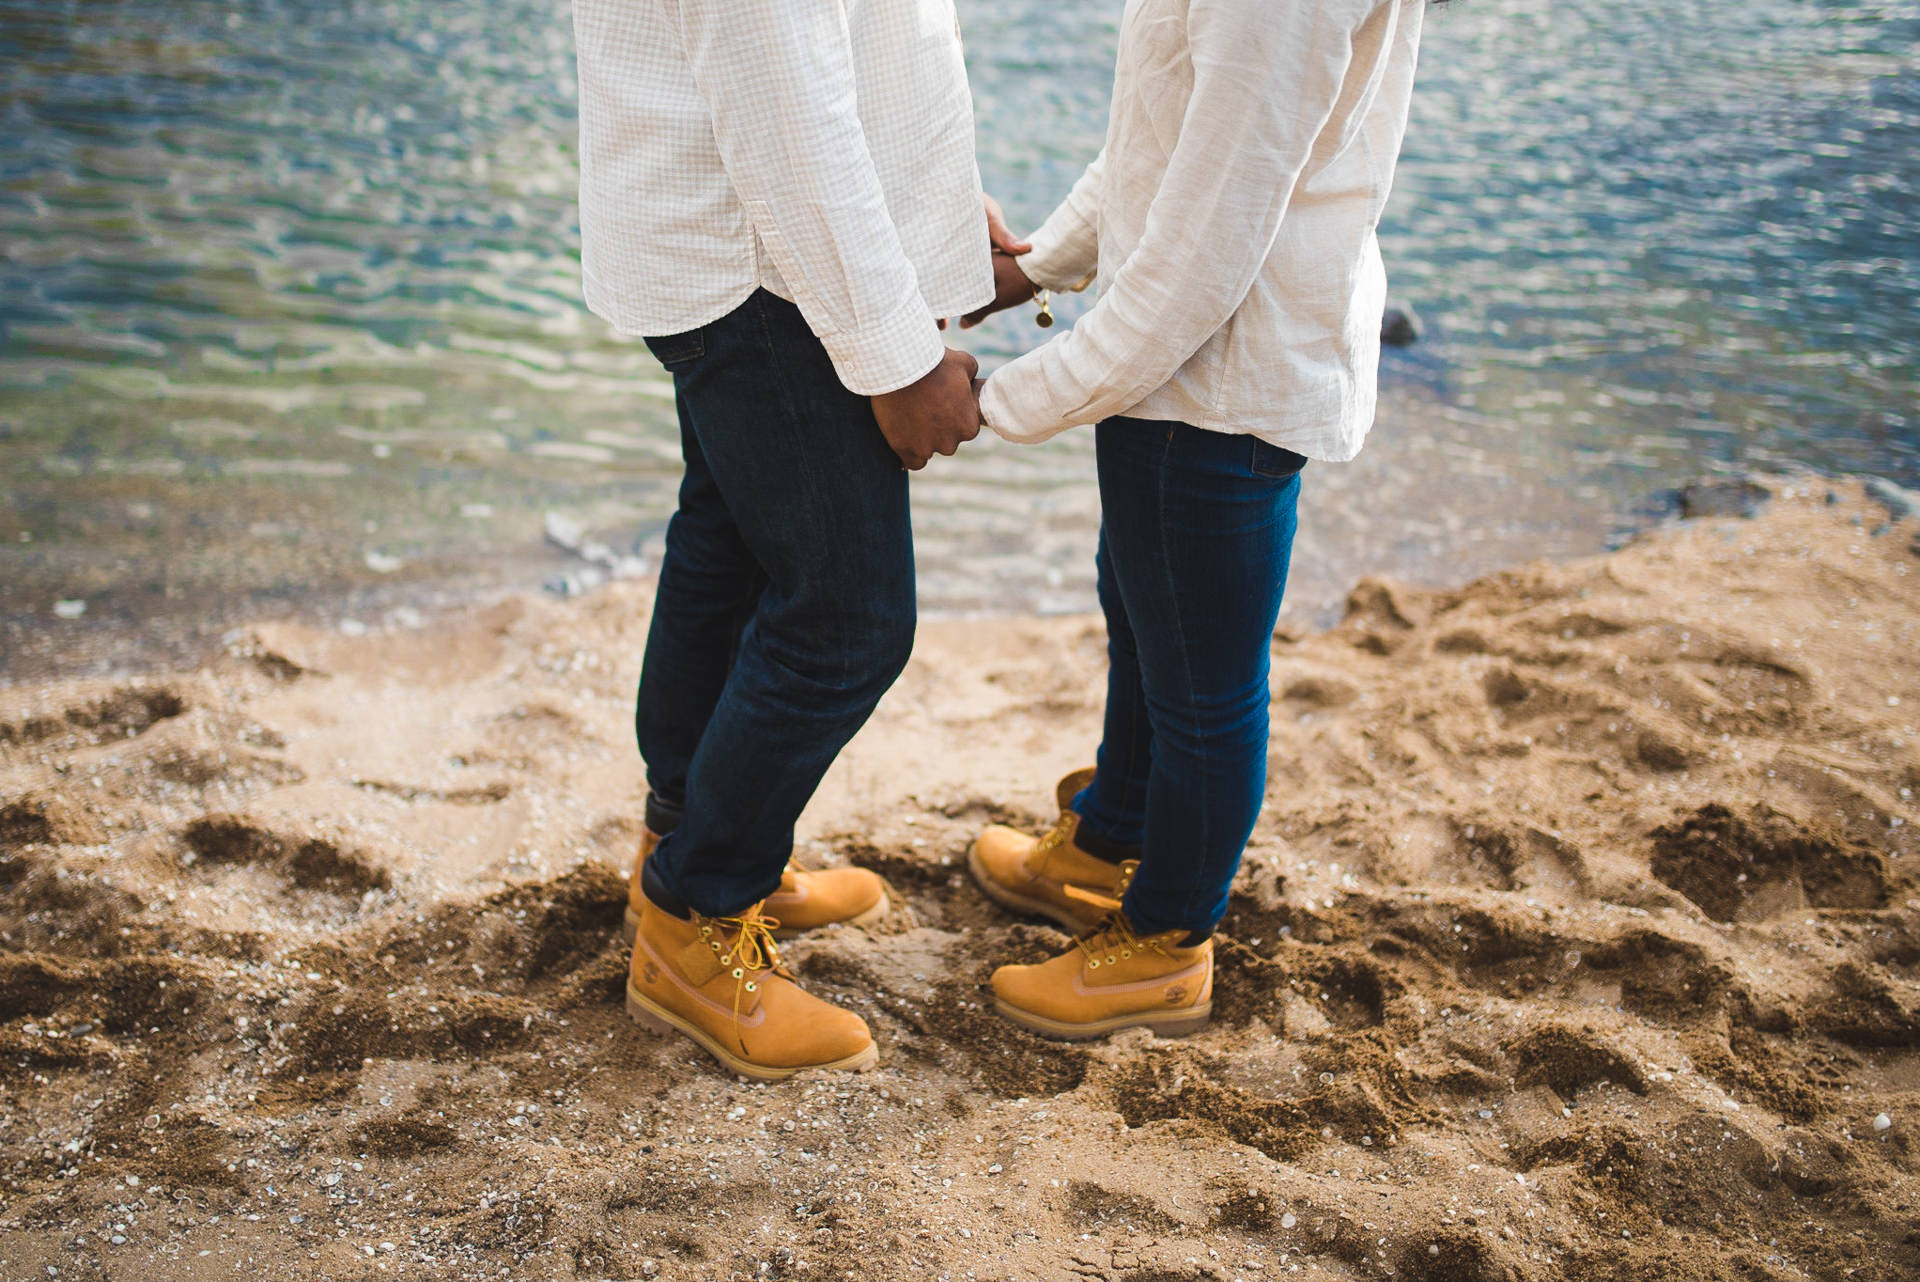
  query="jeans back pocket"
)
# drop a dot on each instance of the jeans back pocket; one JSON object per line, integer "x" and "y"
{"x": 677, "y": 350}
{"x": 1273, "y": 461}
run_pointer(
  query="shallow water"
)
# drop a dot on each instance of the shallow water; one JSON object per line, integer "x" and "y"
{"x": 290, "y": 307}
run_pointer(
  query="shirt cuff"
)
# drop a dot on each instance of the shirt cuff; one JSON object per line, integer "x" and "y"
{"x": 889, "y": 354}
{"x": 1014, "y": 408}
{"x": 1064, "y": 254}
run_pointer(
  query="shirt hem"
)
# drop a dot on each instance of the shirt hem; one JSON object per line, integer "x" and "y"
{"x": 603, "y": 300}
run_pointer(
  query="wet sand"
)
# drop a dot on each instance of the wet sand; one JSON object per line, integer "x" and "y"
{"x": 1579, "y": 939}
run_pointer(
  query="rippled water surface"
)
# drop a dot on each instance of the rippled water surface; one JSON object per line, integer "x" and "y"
{"x": 289, "y": 309}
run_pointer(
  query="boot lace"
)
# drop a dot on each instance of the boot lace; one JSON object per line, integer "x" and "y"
{"x": 751, "y": 952}
{"x": 1114, "y": 939}
{"x": 1055, "y": 837}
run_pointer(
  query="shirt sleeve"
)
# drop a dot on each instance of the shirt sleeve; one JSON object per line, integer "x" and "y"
{"x": 1266, "y": 78}
{"x": 1066, "y": 248}
{"x": 778, "y": 79}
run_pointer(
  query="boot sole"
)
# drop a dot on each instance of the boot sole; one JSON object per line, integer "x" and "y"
{"x": 1013, "y": 901}
{"x": 1181, "y": 1024}
{"x": 660, "y": 1020}
{"x": 630, "y": 924}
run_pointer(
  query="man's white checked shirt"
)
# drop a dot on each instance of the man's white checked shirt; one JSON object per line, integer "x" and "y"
{"x": 822, "y": 149}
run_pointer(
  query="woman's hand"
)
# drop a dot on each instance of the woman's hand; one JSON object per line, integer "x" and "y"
{"x": 1010, "y": 289}
{"x": 1004, "y": 241}
{"x": 1010, "y": 285}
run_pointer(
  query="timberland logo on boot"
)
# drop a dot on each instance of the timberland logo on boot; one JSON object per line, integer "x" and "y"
{"x": 651, "y": 975}
{"x": 1176, "y": 993}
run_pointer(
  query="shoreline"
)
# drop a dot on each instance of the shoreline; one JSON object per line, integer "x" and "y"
{"x": 126, "y": 631}
{"x": 1000, "y": 529}
{"x": 1580, "y": 937}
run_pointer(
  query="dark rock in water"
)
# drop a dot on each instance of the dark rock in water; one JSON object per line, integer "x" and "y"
{"x": 1399, "y": 327}
{"x": 1722, "y": 497}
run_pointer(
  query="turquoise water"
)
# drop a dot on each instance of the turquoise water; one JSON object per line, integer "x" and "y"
{"x": 289, "y": 314}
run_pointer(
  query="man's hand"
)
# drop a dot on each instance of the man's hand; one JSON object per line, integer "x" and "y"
{"x": 935, "y": 415}
{"x": 1010, "y": 289}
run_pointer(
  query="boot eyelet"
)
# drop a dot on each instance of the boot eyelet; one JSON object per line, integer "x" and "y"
{"x": 737, "y": 972}
{"x": 1127, "y": 953}
{"x": 706, "y": 930}
{"x": 725, "y": 958}
{"x": 1093, "y": 964}
{"x": 715, "y": 947}
{"x": 1110, "y": 961}
{"x": 752, "y": 987}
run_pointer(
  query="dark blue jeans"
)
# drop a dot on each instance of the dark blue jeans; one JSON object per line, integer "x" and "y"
{"x": 786, "y": 600}
{"x": 1197, "y": 529}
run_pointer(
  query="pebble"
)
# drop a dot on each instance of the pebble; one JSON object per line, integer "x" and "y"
{"x": 1399, "y": 326}
{"x": 69, "y": 609}
{"x": 1882, "y": 1123}
{"x": 576, "y": 584}
{"x": 570, "y": 535}
{"x": 564, "y": 532}
{"x": 1287, "y": 1221}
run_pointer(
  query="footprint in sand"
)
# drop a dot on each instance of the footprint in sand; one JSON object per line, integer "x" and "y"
{"x": 118, "y": 713}
{"x": 308, "y": 862}
{"x": 1569, "y": 1059}
{"x": 1751, "y": 868}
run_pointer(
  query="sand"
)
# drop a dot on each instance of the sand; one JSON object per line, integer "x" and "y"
{"x": 1578, "y": 940}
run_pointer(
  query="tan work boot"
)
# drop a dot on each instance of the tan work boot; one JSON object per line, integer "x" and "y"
{"x": 806, "y": 900}
{"x": 719, "y": 981}
{"x": 1112, "y": 979}
{"x": 1048, "y": 876}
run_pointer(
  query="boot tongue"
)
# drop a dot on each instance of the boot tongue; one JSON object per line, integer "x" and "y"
{"x": 1072, "y": 786}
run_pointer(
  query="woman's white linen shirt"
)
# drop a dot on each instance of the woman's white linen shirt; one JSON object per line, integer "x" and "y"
{"x": 1230, "y": 221}
{"x": 822, "y": 149}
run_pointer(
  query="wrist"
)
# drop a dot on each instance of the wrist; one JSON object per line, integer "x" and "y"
{"x": 1059, "y": 262}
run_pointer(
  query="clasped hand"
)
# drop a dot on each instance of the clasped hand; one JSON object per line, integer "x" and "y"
{"x": 935, "y": 415}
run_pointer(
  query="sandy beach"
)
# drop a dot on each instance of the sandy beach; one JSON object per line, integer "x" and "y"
{"x": 1579, "y": 939}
